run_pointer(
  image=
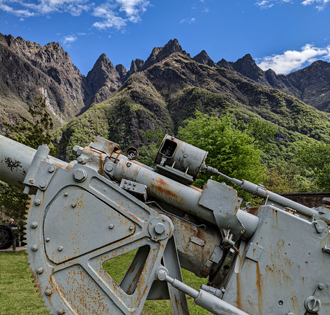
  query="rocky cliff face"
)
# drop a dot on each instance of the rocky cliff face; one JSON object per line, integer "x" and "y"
{"x": 102, "y": 81}
{"x": 29, "y": 70}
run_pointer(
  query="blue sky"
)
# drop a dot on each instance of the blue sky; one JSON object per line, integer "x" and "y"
{"x": 284, "y": 35}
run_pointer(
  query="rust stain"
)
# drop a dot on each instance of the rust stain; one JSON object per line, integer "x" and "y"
{"x": 239, "y": 291}
{"x": 259, "y": 284}
{"x": 162, "y": 187}
{"x": 101, "y": 171}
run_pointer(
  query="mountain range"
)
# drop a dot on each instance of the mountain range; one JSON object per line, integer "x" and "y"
{"x": 160, "y": 92}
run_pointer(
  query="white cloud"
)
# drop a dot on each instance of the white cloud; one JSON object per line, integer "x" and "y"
{"x": 69, "y": 39}
{"x": 320, "y": 4}
{"x": 110, "y": 14}
{"x": 293, "y": 60}
{"x": 43, "y": 7}
{"x": 266, "y": 4}
{"x": 17, "y": 12}
{"x": 189, "y": 21}
{"x": 109, "y": 18}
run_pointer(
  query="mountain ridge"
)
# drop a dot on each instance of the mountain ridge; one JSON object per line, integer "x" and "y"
{"x": 160, "y": 92}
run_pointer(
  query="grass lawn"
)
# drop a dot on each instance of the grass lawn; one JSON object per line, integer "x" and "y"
{"x": 18, "y": 296}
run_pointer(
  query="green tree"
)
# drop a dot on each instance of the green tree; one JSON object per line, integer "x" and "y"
{"x": 286, "y": 177}
{"x": 147, "y": 153}
{"x": 314, "y": 162}
{"x": 32, "y": 133}
{"x": 230, "y": 149}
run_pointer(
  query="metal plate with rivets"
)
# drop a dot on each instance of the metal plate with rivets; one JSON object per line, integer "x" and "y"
{"x": 77, "y": 222}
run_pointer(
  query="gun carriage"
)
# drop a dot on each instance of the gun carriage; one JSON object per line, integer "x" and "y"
{"x": 271, "y": 259}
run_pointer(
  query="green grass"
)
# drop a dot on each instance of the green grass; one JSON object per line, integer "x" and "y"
{"x": 18, "y": 295}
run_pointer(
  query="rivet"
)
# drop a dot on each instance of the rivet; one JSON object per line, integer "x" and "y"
{"x": 131, "y": 228}
{"x": 34, "y": 247}
{"x": 51, "y": 169}
{"x": 128, "y": 164}
{"x": 47, "y": 239}
{"x": 163, "y": 220}
{"x": 60, "y": 311}
{"x": 320, "y": 286}
{"x": 111, "y": 226}
{"x": 74, "y": 205}
{"x": 48, "y": 292}
{"x": 66, "y": 194}
{"x": 34, "y": 225}
{"x": 60, "y": 248}
{"x": 37, "y": 202}
{"x": 39, "y": 270}
{"x": 31, "y": 180}
{"x": 42, "y": 185}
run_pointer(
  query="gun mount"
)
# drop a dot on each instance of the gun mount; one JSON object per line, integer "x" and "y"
{"x": 271, "y": 259}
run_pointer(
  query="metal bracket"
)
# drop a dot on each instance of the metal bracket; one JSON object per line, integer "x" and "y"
{"x": 40, "y": 173}
{"x": 136, "y": 189}
{"x": 254, "y": 252}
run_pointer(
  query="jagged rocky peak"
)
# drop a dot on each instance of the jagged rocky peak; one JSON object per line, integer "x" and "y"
{"x": 102, "y": 70}
{"x": 160, "y": 53}
{"x": 121, "y": 71}
{"x": 136, "y": 65}
{"x": 225, "y": 64}
{"x": 204, "y": 58}
{"x": 247, "y": 67}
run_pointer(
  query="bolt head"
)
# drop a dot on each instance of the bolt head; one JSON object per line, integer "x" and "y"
{"x": 159, "y": 228}
{"x": 77, "y": 150}
{"x": 80, "y": 175}
{"x": 60, "y": 248}
{"x": 42, "y": 185}
{"x": 47, "y": 239}
{"x": 108, "y": 167}
{"x": 34, "y": 247}
{"x": 51, "y": 169}
{"x": 111, "y": 226}
{"x": 37, "y": 202}
{"x": 313, "y": 304}
{"x": 320, "y": 286}
{"x": 74, "y": 205}
{"x": 161, "y": 275}
{"x": 131, "y": 228}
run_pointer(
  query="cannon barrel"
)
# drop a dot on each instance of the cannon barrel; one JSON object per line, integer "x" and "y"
{"x": 16, "y": 159}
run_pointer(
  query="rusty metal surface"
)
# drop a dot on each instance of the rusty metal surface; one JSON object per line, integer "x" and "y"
{"x": 289, "y": 269}
{"x": 185, "y": 157}
{"x": 74, "y": 282}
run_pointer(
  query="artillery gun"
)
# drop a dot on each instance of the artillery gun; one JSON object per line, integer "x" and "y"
{"x": 270, "y": 259}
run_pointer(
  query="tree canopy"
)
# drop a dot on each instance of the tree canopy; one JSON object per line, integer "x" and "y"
{"x": 314, "y": 161}
{"x": 32, "y": 133}
{"x": 231, "y": 149}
